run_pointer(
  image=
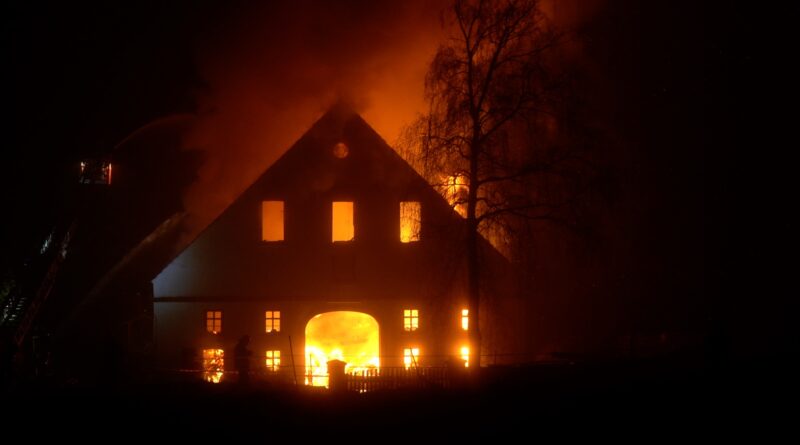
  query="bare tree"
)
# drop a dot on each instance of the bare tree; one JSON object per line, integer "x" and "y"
{"x": 487, "y": 137}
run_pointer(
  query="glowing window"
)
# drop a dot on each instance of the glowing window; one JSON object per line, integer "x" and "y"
{"x": 465, "y": 319}
{"x": 272, "y": 321}
{"x": 95, "y": 171}
{"x": 410, "y": 319}
{"x": 214, "y": 321}
{"x": 213, "y": 365}
{"x": 342, "y": 226}
{"x": 465, "y": 355}
{"x": 411, "y": 357}
{"x": 273, "y": 360}
{"x": 410, "y": 221}
{"x": 272, "y": 220}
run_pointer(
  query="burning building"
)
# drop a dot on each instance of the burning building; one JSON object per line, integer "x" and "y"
{"x": 339, "y": 250}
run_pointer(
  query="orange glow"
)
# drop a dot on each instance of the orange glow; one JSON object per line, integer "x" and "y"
{"x": 109, "y": 173}
{"x": 351, "y": 337}
{"x": 273, "y": 360}
{"x": 455, "y": 191}
{"x": 272, "y": 220}
{"x": 410, "y": 319}
{"x": 213, "y": 365}
{"x": 410, "y": 221}
{"x": 465, "y": 319}
{"x": 214, "y": 321}
{"x": 383, "y": 75}
{"x": 465, "y": 355}
{"x": 411, "y": 357}
{"x": 272, "y": 321}
{"x": 340, "y": 150}
{"x": 342, "y": 228}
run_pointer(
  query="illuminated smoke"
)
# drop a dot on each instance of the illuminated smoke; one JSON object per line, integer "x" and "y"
{"x": 270, "y": 71}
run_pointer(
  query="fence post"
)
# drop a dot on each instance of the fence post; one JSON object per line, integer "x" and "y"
{"x": 336, "y": 376}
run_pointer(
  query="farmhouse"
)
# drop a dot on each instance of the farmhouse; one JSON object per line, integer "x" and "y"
{"x": 339, "y": 250}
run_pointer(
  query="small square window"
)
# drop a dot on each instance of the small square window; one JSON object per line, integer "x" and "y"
{"x": 272, "y": 321}
{"x": 214, "y": 321}
{"x": 273, "y": 360}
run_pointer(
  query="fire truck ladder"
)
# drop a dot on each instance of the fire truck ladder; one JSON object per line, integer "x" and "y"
{"x": 21, "y": 310}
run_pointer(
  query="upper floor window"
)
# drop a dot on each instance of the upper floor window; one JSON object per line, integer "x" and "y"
{"x": 342, "y": 228}
{"x": 410, "y": 319}
{"x": 273, "y": 321}
{"x": 95, "y": 171}
{"x": 410, "y": 221}
{"x": 214, "y": 321}
{"x": 272, "y": 220}
{"x": 465, "y": 319}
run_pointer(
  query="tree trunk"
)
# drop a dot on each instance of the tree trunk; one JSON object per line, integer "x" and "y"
{"x": 473, "y": 271}
{"x": 473, "y": 289}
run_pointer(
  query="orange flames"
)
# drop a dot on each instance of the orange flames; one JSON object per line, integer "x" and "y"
{"x": 213, "y": 365}
{"x": 465, "y": 355}
{"x": 410, "y": 221}
{"x": 455, "y": 191}
{"x": 351, "y": 337}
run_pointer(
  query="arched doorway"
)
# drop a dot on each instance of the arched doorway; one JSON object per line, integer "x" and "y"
{"x": 352, "y": 337}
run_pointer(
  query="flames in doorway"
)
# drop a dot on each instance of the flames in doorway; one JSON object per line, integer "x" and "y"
{"x": 351, "y": 337}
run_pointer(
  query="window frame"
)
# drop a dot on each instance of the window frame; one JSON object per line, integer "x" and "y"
{"x": 275, "y": 358}
{"x": 272, "y": 321}
{"x": 463, "y": 353}
{"x": 411, "y": 357}
{"x": 352, "y": 221}
{"x": 410, "y": 320}
{"x": 213, "y": 321}
{"x": 404, "y": 209}
{"x": 282, "y": 221}
{"x": 213, "y": 364}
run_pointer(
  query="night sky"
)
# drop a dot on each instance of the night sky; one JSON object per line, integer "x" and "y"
{"x": 80, "y": 78}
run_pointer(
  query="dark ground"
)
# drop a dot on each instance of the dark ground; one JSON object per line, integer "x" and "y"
{"x": 642, "y": 401}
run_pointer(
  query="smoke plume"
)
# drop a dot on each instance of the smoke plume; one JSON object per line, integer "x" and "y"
{"x": 270, "y": 71}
